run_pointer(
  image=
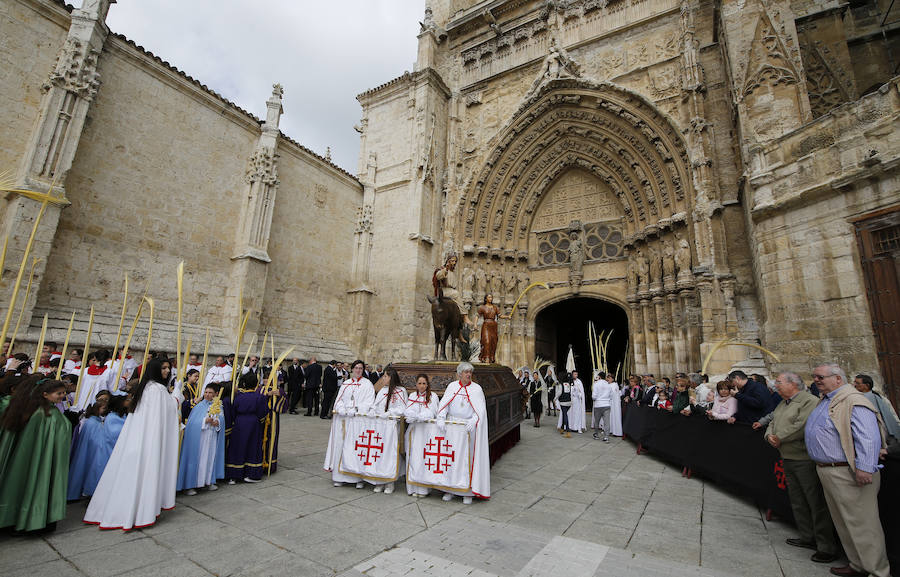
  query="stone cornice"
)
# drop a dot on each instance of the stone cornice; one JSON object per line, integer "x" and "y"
{"x": 403, "y": 82}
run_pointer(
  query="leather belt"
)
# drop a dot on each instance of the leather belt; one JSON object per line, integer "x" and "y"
{"x": 844, "y": 464}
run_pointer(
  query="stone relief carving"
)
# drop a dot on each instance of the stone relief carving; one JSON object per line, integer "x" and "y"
{"x": 262, "y": 167}
{"x": 364, "y": 218}
{"x": 769, "y": 60}
{"x": 683, "y": 259}
{"x": 668, "y": 264}
{"x": 643, "y": 269}
{"x": 655, "y": 265}
{"x": 76, "y": 69}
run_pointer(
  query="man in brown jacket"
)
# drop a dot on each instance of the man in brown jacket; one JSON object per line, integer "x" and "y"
{"x": 785, "y": 433}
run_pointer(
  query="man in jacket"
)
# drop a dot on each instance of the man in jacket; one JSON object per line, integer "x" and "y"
{"x": 753, "y": 398}
{"x": 295, "y": 380}
{"x": 330, "y": 385}
{"x": 785, "y": 433}
{"x": 312, "y": 381}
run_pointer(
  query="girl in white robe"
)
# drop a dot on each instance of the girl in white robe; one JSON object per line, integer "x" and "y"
{"x": 577, "y": 412}
{"x": 615, "y": 412}
{"x": 464, "y": 401}
{"x": 355, "y": 396}
{"x": 139, "y": 479}
{"x": 421, "y": 406}
{"x": 390, "y": 401}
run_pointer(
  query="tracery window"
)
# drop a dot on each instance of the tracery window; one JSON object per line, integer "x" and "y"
{"x": 603, "y": 241}
{"x": 553, "y": 248}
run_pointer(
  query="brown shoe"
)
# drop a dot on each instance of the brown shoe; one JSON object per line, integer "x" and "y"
{"x": 847, "y": 571}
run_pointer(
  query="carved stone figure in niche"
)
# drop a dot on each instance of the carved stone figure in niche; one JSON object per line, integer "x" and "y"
{"x": 631, "y": 274}
{"x": 655, "y": 265}
{"x": 480, "y": 282}
{"x": 683, "y": 258}
{"x": 523, "y": 281}
{"x": 501, "y": 284}
{"x": 512, "y": 286}
{"x": 576, "y": 259}
{"x": 643, "y": 269}
{"x": 468, "y": 279}
{"x": 668, "y": 263}
{"x": 490, "y": 313}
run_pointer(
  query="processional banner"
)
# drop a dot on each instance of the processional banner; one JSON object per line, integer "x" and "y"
{"x": 439, "y": 459}
{"x": 371, "y": 448}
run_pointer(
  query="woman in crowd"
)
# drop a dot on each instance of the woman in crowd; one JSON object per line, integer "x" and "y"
{"x": 682, "y": 401}
{"x": 139, "y": 479}
{"x": 356, "y": 395}
{"x": 615, "y": 410}
{"x": 390, "y": 401}
{"x": 34, "y": 438}
{"x": 89, "y": 452}
{"x": 534, "y": 397}
{"x": 464, "y": 401}
{"x": 724, "y": 406}
{"x": 564, "y": 403}
{"x": 203, "y": 445}
{"x": 421, "y": 406}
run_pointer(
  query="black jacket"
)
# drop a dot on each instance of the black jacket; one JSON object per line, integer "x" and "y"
{"x": 295, "y": 375}
{"x": 753, "y": 402}
{"x": 313, "y": 376}
{"x": 330, "y": 380}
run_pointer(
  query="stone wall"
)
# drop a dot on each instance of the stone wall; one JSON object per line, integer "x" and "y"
{"x": 160, "y": 176}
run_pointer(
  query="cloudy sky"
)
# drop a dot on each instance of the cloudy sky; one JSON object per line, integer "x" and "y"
{"x": 323, "y": 53}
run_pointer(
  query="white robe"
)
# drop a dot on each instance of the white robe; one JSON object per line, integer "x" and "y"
{"x": 354, "y": 397}
{"x": 217, "y": 374}
{"x": 209, "y": 442}
{"x": 90, "y": 385}
{"x": 615, "y": 412}
{"x": 395, "y": 409}
{"x": 70, "y": 367}
{"x": 140, "y": 478}
{"x": 463, "y": 404}
{"x": 418, "y": 409}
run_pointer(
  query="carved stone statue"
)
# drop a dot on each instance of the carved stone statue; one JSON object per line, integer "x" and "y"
{"x": 576, "y": 259}
{"x": 480, "y": 283}
{"x": 468, "y": 280}
{"x": 643, "y": 269}
{"x": 655, "y": 265}
{"x": 668, "y": 263}
{"x": 683, "y": 258}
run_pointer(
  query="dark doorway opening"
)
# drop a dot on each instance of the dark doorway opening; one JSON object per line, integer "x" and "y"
{"x": 566, "y": 323}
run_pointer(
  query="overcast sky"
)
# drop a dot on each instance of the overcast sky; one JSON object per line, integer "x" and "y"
{"x": 323, "y": 53}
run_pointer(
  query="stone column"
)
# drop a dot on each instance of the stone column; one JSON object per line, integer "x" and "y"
{"x": 651, "y": 343}
{"x": 692, "y": 319}
{"x": 679, "y": 332}
{"x": 52, "y": 144}
{"x": 664, "y": 336}
{"x": 359, "y": 281}
{"x": 636, "y": 327}
{"x": 251, "y": 257}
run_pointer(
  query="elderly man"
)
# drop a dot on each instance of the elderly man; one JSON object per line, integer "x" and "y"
{"x": 844, "y": 436}
{"x": 785, "y": 433}
{"x": 864, "y": 384}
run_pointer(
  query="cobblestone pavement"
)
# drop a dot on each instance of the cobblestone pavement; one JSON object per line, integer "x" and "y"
{"x": 574, "y": 507}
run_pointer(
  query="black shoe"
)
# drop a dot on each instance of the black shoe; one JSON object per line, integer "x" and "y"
{"x": 819, "y": 557}
{"x": 800, "y": 543}
{"x": 307, "y": 415}
{"x": 293, "y": 412}
{"x": 596, "y": 436}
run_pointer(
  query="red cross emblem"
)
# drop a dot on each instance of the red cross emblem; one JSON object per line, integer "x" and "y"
{"x": 442, "y": 461}
{"x": 369, "y": 451}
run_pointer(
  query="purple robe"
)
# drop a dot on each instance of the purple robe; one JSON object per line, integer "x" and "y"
{"x": 244, "y": 455}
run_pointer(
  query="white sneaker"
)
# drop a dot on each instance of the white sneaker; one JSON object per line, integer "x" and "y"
{"x": 249, "y": 480}
{"x": 447, "y": 497}
{"x": 467, "y": 500}
{"x": 214, "y": 487}
{"x": 378, "y": 489}
{"x": 360, "y": 485}
{"x": 191, "y": 492}
{"x": 231, "y": 481}
{"x": 389, "y": 488}
{"x": 337, "y": 484}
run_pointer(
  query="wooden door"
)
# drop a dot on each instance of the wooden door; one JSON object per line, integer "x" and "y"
{"x": 879, "y": 246}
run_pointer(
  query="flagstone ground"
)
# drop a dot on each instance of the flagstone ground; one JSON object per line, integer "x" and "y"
{"x": 574, "y": 507}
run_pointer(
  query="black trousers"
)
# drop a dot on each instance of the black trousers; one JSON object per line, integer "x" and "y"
{"x": 327, "y": 402}
{"x": 295, "y": 395}
{"x": 311, "y": 396}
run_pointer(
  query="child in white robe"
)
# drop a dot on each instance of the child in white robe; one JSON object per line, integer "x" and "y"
{"x": 203, "y": 445}
{"x": 355, "y": 396}
{"x": 421, "y": 406}
{"x": 390, "y": 401}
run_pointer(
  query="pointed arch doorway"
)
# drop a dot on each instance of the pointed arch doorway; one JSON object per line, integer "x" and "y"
{"x": 566, "y": 322}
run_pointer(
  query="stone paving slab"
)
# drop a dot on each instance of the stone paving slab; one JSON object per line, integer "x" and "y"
{"x": 560, "y": 506}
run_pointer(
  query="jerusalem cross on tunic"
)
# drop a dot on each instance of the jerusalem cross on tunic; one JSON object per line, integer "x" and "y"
{"x": 438, "y": 466}
{"x": 369, "y": 451}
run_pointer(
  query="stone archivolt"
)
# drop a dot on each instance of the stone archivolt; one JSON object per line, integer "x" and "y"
{"x": 606, "y": 130}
